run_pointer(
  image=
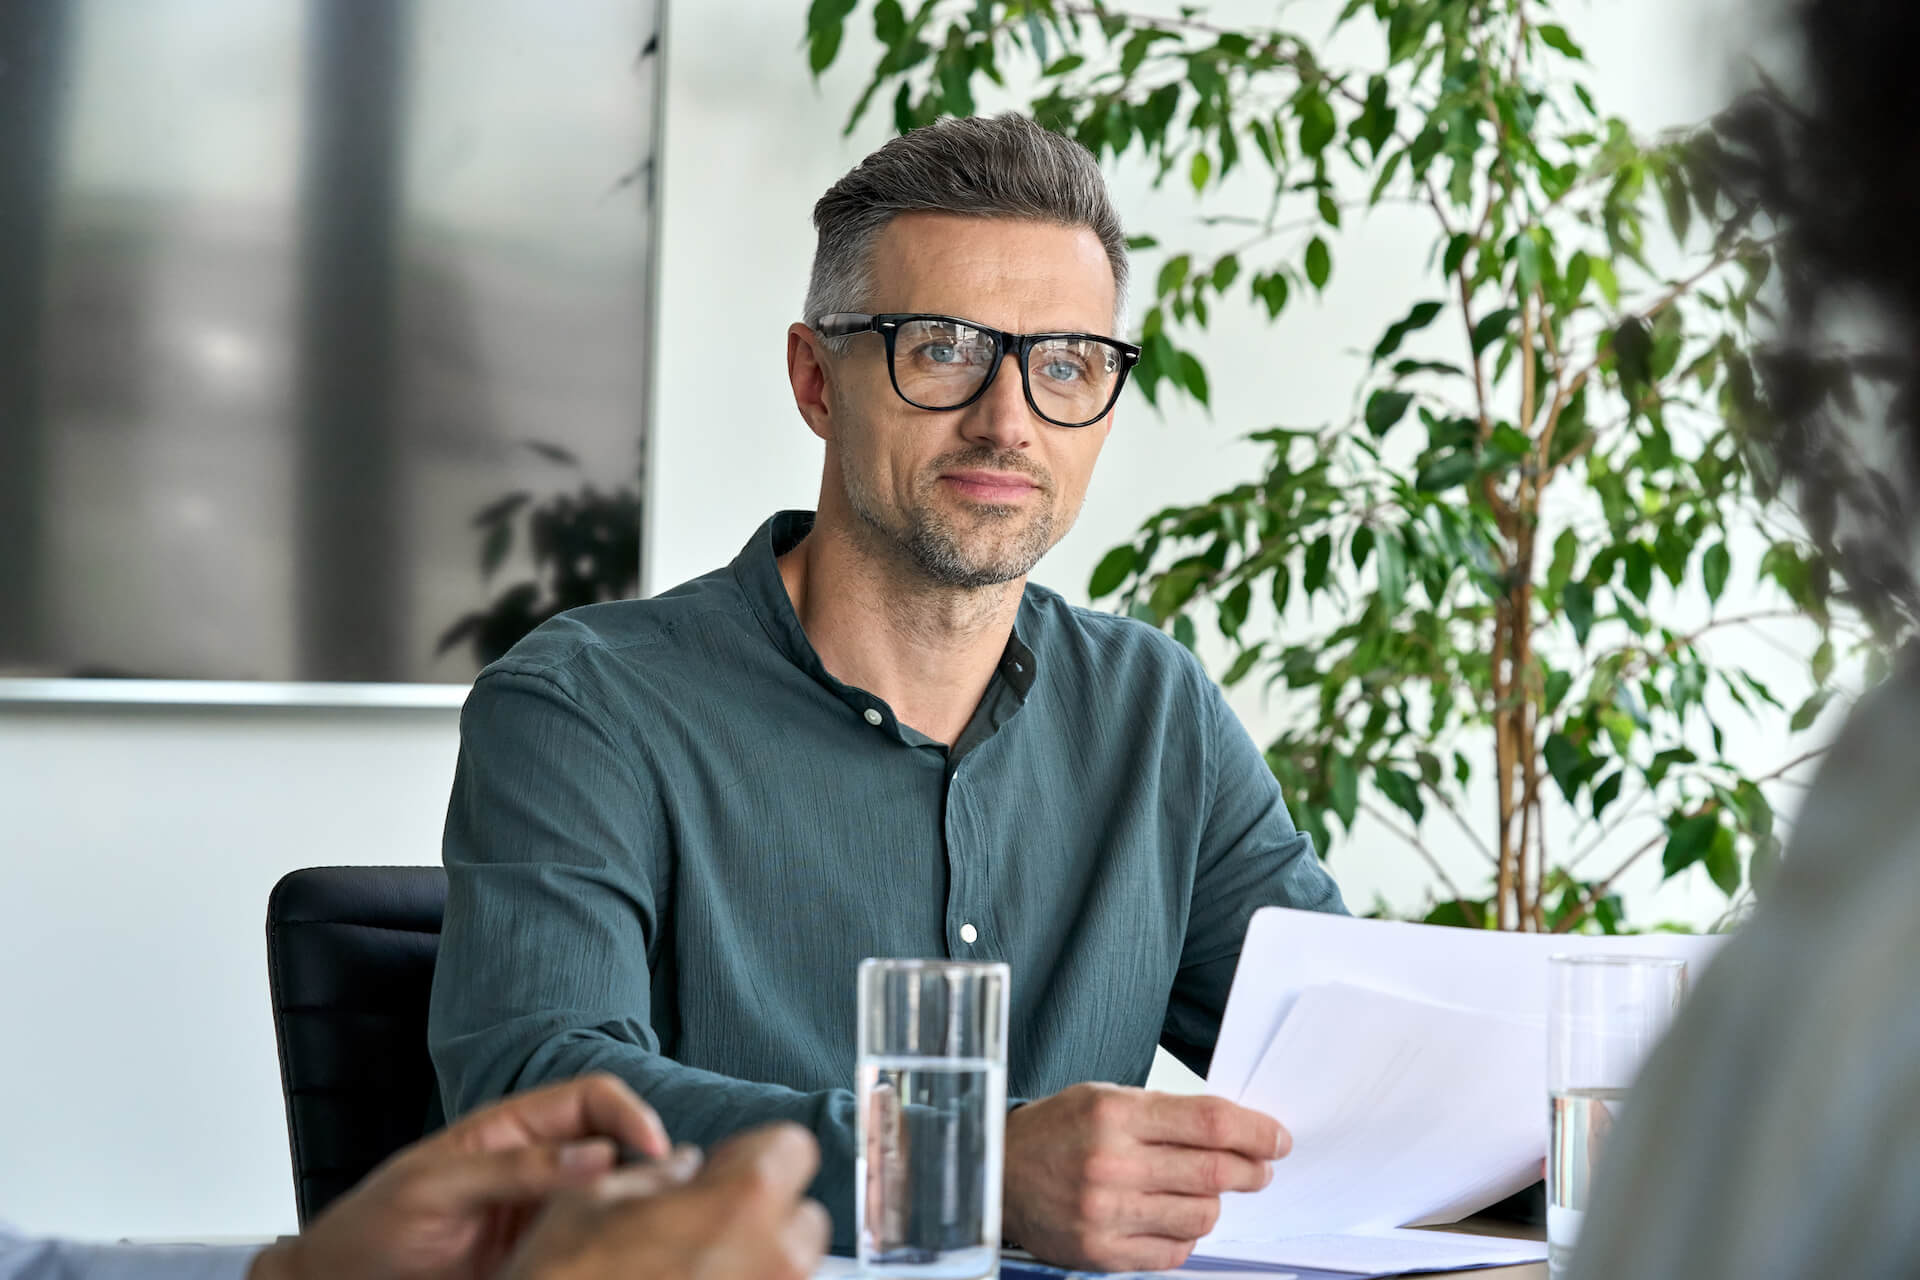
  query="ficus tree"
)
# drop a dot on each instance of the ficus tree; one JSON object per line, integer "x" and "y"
{"x": 1498, "y": 576}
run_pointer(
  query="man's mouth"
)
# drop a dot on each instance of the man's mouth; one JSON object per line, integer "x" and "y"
{"x": 991, "y": 486}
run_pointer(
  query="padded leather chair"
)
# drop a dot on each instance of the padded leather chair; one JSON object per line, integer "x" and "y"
{"x": 350, "y": 954}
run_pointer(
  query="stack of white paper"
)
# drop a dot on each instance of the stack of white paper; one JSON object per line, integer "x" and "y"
{"x": 1409, "y": 1064}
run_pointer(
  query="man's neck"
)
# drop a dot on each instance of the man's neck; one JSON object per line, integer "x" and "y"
{"x": 928, "y": 650}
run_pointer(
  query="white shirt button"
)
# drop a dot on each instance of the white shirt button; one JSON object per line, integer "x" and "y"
{"x": 968, "y": 933}
{"x": 873, "y": 717}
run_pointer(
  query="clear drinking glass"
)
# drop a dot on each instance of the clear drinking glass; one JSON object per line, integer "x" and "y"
{"x": 932, "y": 1118}
{"x": 1604, "y": 1014}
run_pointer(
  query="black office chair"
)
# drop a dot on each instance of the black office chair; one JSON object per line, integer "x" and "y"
{"x": 350, "y": 953}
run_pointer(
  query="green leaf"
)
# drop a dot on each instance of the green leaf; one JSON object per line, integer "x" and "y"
{"x": 1687, "y": 842}
{"x": 1565, "y": 548}
{"x": 1810, "y": 710}
{"x": 1556, "y": 37}
{"x": 1319, "y": 263}
{"x": 1242, "y": 665}
{"x": 1392, "y": 568}
{"x": 1639, "y": 570}
{"x": 1823, "y": 662}
{"x": 1608, "y": 282}
{"x": 1446, "y": 471}
{"x": 1403, "y": 792}
{"x": 1225, "y": 271}
{"x": 1385, "y": 408}
{"x": 1491, "y": 328}
{"x": 1183, "y": 632}
{"x": 1233, "y": 609}
{"x": 1510, "y": 442}
{"x": 1714, "y": 567}
{"x": 889, "y": 21}
{"x": 1360, "y": 547}
{"x": 1200, "y": 170}
{"x": 1606, "y": 792}
{"x": 1061, "y": 66}
{"x": 1193, "y": 376}
{"x": 1113, "y": 570}
{"x": 1723, "y": 864}
{"x": 1317, "y": 125}
{"x": 1422, "y": 315}
{"x": 1142, "y": 242}
{"x": 1578, "y": 605}
{"x": 1558, "y": 683}
{"x": 1343, "y": 787}
{"x": 1563, "y": 762}
{"x": 1173, "y": 274}
{"x": 1319, "y": 556}
{"x": 826, "y": 24}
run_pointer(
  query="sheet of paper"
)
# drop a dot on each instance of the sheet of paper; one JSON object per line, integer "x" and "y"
{"x": 1287, "y": 951}
{"x": 1387, "y": 1253}
{"x": 1022, "y": 1267}
{"x": 1400, "y": 1110}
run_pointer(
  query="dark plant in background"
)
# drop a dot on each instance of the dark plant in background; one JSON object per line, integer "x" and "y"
{"x": 1486, "y": 572}
{"x": 585, "y": 547}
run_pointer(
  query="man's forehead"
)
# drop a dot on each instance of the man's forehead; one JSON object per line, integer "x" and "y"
{"x": 1027, "y": 273}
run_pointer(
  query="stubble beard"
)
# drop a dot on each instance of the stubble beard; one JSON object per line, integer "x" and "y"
{"x": 937, "y": 546}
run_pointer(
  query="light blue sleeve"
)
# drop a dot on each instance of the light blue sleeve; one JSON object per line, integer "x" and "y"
{"x": 22, "y": 1258}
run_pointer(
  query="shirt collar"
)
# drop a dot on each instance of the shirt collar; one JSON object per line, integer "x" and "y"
{"x": 757, "y": 570}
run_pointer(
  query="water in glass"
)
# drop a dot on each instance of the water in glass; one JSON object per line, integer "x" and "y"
{"x": 927, "y": 1166}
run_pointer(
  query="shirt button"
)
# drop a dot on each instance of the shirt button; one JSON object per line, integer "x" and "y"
{"x": 873, "y": 717}
{"x": 968, "y": 933}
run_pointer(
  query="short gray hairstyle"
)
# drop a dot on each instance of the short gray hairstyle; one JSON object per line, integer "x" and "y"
{"x": 1004, "y": 166}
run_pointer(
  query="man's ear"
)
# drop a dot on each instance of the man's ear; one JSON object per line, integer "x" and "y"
{"x": 810, "y": 375}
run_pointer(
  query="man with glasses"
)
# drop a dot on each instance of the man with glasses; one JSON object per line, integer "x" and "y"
{"x": 679, "y": 824}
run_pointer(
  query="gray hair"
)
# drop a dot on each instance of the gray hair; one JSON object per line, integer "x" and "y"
{"x": 1004, "y": 166}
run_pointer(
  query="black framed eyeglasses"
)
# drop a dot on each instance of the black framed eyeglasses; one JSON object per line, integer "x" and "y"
{"x": 942, "y": 363}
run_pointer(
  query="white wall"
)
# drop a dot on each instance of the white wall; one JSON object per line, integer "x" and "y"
{"x": 138, "y": 1087}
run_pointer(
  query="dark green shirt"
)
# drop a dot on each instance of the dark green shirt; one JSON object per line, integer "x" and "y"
{"x": 673, "y": 835}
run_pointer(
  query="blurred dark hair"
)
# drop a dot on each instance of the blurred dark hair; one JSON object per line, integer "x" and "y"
{"x": 1830, "y": 164}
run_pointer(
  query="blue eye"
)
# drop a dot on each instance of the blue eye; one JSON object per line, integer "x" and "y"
{"x": 941, "y": 352}
{"x": 1062, "y": 371}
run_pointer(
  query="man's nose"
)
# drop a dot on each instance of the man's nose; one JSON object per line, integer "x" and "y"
{"x": 1001, "y": 418}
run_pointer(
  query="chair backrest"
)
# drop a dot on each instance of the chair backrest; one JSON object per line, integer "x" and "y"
{"x": 350, "y": 953}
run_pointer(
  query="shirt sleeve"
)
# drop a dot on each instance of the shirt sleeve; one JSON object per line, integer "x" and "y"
{"x": 555, "y": 854}
{"x": 22, "y": 1258}
{"x": 1251, "y": 856}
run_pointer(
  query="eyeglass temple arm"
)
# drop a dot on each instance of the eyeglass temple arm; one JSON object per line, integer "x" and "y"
{"x": 842, "y": 324}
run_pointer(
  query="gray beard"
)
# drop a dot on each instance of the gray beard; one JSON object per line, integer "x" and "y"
{"x": 935, "y": 548}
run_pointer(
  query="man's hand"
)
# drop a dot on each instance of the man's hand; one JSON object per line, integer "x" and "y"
{"x": 1113, "y": 1179}
{"x": 453, "y": 1206}
{"x": 742, "y": 1218}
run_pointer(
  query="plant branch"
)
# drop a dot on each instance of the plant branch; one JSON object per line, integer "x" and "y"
{"x": 1479, "y": 844}
{"x": 1419, "y": 847}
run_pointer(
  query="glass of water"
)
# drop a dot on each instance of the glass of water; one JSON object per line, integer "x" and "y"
{"x": 1604, "y": 1014}
{"x": 932, "y": 1118}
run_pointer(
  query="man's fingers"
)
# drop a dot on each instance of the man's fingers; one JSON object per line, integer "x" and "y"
{"x": 650, "y": 1179}
{"x": 776, "y": 1162}
{"x": 599, "y": 1105}
{"x": 806, "y": 1235}
{"x": 479, "y": 1178}
{"x": 1172, "y": 1217}
{"x": 1192, "y": 1171}
{"x": 1214, "y": 1124}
